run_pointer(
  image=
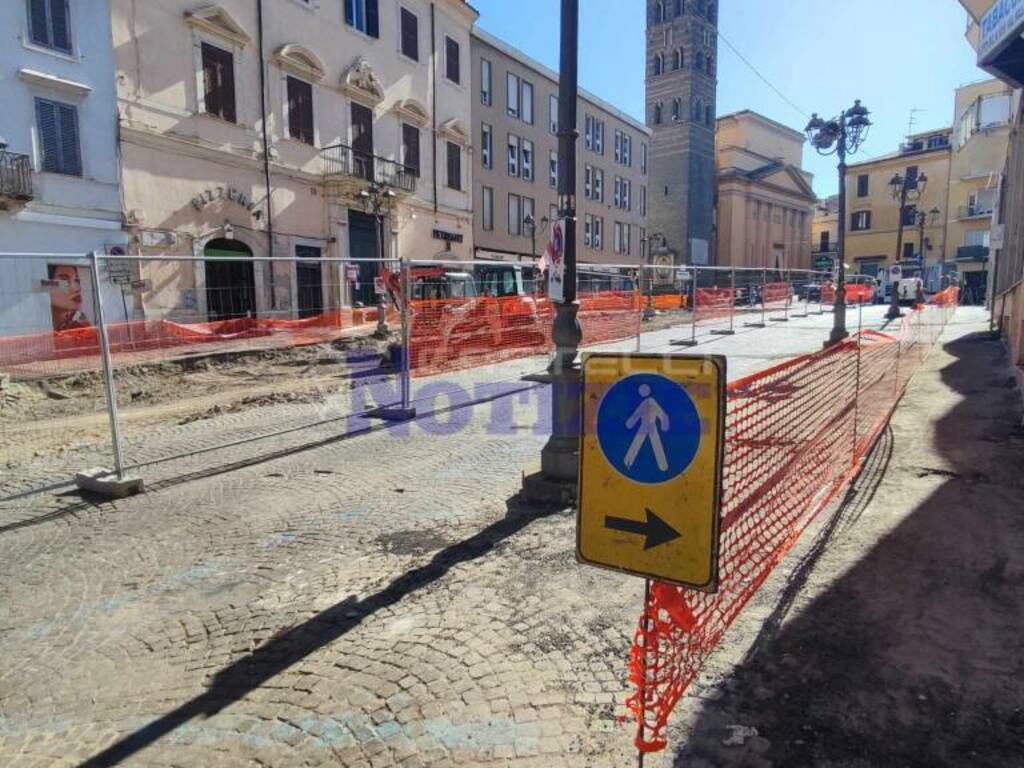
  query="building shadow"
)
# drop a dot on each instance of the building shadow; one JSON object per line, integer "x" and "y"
{"x": 914, "y": 656}
{"x": 292, "y": 645}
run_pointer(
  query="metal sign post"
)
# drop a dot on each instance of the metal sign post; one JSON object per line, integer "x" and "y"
{"x": 650, "y": 466}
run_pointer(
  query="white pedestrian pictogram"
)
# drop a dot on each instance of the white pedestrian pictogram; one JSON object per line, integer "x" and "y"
{"x": 652, "y": 421}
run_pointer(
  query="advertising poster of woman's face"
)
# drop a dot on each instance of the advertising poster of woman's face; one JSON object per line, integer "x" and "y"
{"x": 66, "y": 298}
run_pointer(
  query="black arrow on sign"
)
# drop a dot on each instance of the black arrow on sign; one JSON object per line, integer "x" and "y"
{"x": 656, "y": 530}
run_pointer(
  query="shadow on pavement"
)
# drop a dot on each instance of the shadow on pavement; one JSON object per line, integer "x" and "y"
{"x": 914, "y": 656}
{"x": 291, "y": 646}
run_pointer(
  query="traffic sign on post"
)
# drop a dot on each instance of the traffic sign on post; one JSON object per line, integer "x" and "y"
{"x": 650, "y": 467}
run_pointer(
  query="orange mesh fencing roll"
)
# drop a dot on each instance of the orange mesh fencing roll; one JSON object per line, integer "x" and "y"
{"x": 713, "y": 304}
{"x": 795, "y": 435}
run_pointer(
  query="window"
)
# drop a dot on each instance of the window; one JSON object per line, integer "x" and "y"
{"x": 993, "y": 110}
{"x": 659, "y": 12}
{"x": 908, "y": 251}
{"x": 617, "y": 194}
{"x": 588, "y": 228}
{"x": 218, "y": 82}
{"x": 454, "y": 166}
{"x": 659, "y": 64}
{"x": 643, "y": 158}
{"x": 49, "y": 24}
{"x": 488, "y": 208}
{"x": 410, "y": 34}
{"x": 910, "y": 216}
{"x": 679, "y": 5}
{"x": 527, "y": 160}
{"x": 528, "y": 210}
{"x": 643, "y": 200}
{"x": 599, "y": 185}
{"x": 710, "y": 63}
{"x": 486, "y": 146}
{"x": 513, "y": 155}
{"x": 618, "y": 146}
{"x": 677, "y": 59}
{"x": 512, "y": 87}
{"x": 300, "y": 110}
{"x": 677, "y": 106}
{"x": 912, "y": 173}
{"x": 59, "y": 147}
{"x": 938, "y": 141}
{"x": 452, "y": 66}
{"x": 527, "y": 102}
{"x": 627, "y": 195}
{"x": 657, "y": 113}
{"x": 553, "y": 170}
{"x": 599, "y": 136}
{"x": 597, "y": 236}
{"x": 698, "y": 110}
{"x": 861, "y": 221}
{"x": 411, "y": 148}
{"x": 588, "y": 181}
{"x": 623, "y": 148}
{"x": 553, "y": 114}
{"x": 978, "y": 237}
{"x": 982, "y": 202}
{"x": 588, "y": 132}
{"x": 485, "y": 82}
{"x": 515, "y": 219}
{"x": 621, "y": 242}
{"x": 825, "y": 242}
{"x": 862, "y": 185}
{"x": 363, "y": 15}
{"x": 709, "y": 116}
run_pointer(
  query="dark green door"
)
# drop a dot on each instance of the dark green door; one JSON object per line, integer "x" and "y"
{"x": 230, "y": 285}
{"x": 362, "y": 244}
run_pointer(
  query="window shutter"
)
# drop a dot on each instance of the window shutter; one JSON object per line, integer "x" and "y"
{"x": 59, "y": 25}
{"x": 227, "y": 86}
{"x": 211, "y": 81}
{"x": 46, "y": 122}
{"x": 38, "y": 29}
{"x": 350, "y": 12}
{"x": 452, "y": 59}
{"x": 71, "y": 160}
{"x": 410, "y": 35}
{"x": 454, "y": 166}
{"x": 300, "y": 110}
{"x": 411, "y": 140}
{"x": 372, "y": 19}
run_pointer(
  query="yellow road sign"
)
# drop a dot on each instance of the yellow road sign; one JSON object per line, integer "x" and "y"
{"x": 651, "y": 446}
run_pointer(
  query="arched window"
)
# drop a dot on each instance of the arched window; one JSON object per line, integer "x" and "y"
{"x": 659, "y": 12}
{"x": 677, "y": 59}
{"x": 698, "y": 110}
{"x": 710, "y": 65}
{"x": 659, "y": 63}
{"x": 708, "y": 116}
{"x": 677, "y": 106}
{"x": 657, "y": 113}
{"x": 679, "y": 5}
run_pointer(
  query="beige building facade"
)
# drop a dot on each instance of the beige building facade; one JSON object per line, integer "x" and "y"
{"x": 825, "y": 233}
{"x": 322, "y": 98}
{"x": 873, "y": 215}
{"x": 515, "y": 174}
{"x": 766, "y": 201}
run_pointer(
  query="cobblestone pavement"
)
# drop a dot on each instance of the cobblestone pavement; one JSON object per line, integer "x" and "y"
{"x": 374, "y": 601}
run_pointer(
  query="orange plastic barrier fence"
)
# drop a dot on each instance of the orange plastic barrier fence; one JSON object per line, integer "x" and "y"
{"x": 668, "y": 302}
{"x": 454, "y": 334}
{"x": 795, "y": 435}
{"x": 713, "y": 304}
{"x": 828, "y": 293}
{"x": 776, "y": 295}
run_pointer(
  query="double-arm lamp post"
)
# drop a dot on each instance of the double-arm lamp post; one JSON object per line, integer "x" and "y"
{"x": 840, "y": 136}
{"x": 378, "y": 200}
{"x": 905, "y": 188}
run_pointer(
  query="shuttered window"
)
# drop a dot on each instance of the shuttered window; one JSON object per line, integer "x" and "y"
{"x": 410, "y": 35}
{"x": 411, "y": 148}
{"x": 452, "y": 63}
{"x": 363, "y": 15}
{"x": 300, "y": 110}
{"x": 218, "y": 82}
{"x": 49, "y": 24}
{"x": 454, "y": 166}
{"x": 58, "y": 137}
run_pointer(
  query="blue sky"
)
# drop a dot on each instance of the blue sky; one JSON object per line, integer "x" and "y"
{"x": 822, "y": 54}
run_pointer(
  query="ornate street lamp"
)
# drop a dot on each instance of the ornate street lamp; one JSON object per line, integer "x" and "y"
{"x": 904, "y": 188}
{"x": 378, "y": 200}
{"x": 840, "y": 136}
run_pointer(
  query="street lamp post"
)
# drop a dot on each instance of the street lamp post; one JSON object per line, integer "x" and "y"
{"x": 378, "y": 200}
{"x": 559, "y": 456}
{"x": 840, "y": 136}
{"x": 904, "y": 188}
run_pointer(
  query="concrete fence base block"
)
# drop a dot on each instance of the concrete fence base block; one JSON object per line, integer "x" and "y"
{"x": 684, "y": 343}
{"x": 104, "y": 482}
{"x": 723, "y": 333}
{"x": 754, "y": 325}
{"x": 537, "y": 488}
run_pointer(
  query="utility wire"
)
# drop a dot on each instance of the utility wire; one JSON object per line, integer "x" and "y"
{"x": 764, "y": 79}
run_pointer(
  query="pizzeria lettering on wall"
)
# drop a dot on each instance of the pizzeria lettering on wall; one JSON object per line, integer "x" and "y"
{"x": 202, "y": 200}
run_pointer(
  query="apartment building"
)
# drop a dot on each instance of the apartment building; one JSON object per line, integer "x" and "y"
{"x": 874, "y": 214}
{"x": 515, "y": 178}
{"x": 825, "y": 234}
{"x": 59, "y": 190}
{"x": 270, "y": 128}
{"x": 765, "y": 200}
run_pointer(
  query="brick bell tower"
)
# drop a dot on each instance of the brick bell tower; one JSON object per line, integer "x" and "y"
{"x": 682, "y": 59}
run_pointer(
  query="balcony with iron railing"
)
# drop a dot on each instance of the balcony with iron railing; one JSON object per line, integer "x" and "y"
{"x": 975, "y": 211}
{"x": 15, "y": 177}
{"x": 348, "y": 171}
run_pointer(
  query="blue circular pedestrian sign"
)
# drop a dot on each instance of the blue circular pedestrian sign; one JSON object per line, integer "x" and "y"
{"x": 648, "y": 428}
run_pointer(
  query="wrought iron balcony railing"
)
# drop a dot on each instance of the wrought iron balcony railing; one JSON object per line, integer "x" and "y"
{"x": 15, "y": 176}
{"x": 972, "y": 252}
{"x": 340, "y": 161}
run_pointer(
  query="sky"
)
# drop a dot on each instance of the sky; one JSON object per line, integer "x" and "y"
{"x": 894, "y": 55}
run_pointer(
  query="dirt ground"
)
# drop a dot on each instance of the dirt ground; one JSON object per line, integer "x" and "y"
{"x": 895, "y": 636}
{"x": 45, "y": 415}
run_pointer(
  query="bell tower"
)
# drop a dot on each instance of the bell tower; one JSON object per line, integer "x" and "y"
{"x": 682, "y": 59}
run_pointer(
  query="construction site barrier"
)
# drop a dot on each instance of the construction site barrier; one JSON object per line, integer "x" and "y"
{"x": 796, "y": 434}
{"x": 713, "y": 304}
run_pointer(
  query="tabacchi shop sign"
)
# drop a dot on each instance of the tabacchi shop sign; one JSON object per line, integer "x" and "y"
{"x": 1002, "y": 21}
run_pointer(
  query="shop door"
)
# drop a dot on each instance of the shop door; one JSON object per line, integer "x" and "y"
{"x": 362, "y": 244}
{"x": 230, "y": 285}
{"x": 309, "y": 278}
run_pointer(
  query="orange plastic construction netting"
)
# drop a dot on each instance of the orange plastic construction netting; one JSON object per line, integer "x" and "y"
{"x": 795, "y": 435}
{"x": 776, "y": 295}
{"x": 713, "y": 305}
